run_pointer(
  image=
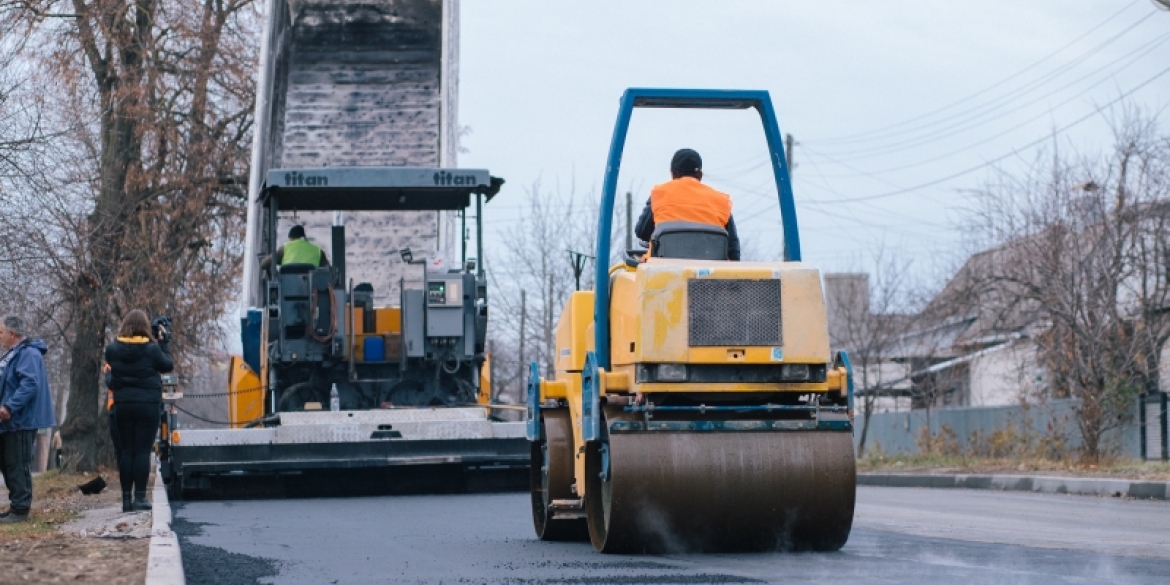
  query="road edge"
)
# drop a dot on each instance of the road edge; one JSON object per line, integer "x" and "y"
{"x": 164, "y": 564}
{"x": 1089, "y": 486}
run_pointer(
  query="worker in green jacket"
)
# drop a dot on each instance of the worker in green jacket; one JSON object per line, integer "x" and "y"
{"x": 298, "y": 250}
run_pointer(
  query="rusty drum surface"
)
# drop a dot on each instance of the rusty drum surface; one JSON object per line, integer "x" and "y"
{"x": 722, "y": 491}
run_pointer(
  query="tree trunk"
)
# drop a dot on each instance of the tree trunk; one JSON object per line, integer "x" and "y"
{"x": 82, "y": 439}
{"x": 83, "y": 435}
{"x": 866, "y": 411}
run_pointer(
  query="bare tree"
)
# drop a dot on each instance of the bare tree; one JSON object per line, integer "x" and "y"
{"x": 868, "y": 315}
{"x": 140, "y": 207}
{"x": 535, "y": 257}
{"x": 1082, "y": 244}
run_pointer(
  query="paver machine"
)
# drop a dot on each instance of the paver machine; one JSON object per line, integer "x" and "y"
{"x": 333, "y": 379}
{"x": 696, "y": 404}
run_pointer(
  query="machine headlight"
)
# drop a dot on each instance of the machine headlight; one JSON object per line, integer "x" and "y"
{"x": 794, "y": 372}
{"x": 672, "y": 372}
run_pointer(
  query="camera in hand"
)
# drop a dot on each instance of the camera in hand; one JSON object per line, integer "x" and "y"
{"x": 161, "y": 328}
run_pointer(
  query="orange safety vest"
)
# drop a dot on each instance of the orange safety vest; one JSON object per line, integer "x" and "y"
{"x": 687, "y": 199}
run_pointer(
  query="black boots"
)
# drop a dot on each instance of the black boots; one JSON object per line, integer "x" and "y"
{"x": 140, "y": 502}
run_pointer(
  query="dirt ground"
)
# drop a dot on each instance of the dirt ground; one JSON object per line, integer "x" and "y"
{"x": 941, "y": 464}
{"x": 49, "y": 550}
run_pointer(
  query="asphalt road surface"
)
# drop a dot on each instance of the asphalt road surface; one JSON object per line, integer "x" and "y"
{"x": 900, "y": 535}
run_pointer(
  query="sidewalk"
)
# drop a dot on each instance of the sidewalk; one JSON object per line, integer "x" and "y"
{"x": 1089, "y": 486}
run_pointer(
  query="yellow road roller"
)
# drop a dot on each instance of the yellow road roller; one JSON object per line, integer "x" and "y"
{"x": 696, "y": 405}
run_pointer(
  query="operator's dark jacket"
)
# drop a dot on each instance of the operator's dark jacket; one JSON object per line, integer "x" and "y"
{"x": 645, "y": 230}
{"x": 135, "y": 365}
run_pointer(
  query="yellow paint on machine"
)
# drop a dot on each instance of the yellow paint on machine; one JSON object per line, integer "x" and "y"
{"x": 574, "y": 332}
{"x": 245, "y": 393}
{"x": 485, "y": 381}
{"x": 387, "y": 320}
{"x": 649, "y": 313}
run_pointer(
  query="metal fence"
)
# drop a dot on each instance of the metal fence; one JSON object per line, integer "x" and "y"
{"x": 1051, "y": 425}
{"x": 1152, "y": 416}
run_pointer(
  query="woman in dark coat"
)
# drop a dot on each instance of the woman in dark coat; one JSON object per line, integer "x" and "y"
{"x": 136, "y": 363}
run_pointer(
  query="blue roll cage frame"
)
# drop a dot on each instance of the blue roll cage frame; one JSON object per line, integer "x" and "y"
{"x": 707, "y": 99}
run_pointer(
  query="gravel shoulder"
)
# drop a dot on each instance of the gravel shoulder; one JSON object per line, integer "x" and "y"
{"x": 75, "y": 538}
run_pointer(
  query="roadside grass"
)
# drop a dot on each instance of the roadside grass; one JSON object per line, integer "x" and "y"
{"x": 55, "y": 498}
{"x": 939, "y": 463}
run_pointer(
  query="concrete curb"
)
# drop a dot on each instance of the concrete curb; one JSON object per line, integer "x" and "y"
{"x": 1089, "y": 486}
{"x": 164, "y": 565}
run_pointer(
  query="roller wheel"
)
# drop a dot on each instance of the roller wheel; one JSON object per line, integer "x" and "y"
{"x": 673, "y": 492}
{"x": 550, "y": 478}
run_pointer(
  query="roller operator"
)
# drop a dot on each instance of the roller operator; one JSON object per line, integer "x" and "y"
{"x": 686, "y": 199}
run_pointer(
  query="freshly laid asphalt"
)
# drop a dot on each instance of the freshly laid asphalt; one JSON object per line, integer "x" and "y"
{"x": 900, "y": 535}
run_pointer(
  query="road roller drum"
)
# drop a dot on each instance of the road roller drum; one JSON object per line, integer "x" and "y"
{"x": 670, "y": 492}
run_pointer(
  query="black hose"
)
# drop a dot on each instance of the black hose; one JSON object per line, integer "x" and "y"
{"x": 294, "y": 390}
{"x": 453, "y": 358}
{"x": 263, "y": 421}
{"x": 208, "y": 420}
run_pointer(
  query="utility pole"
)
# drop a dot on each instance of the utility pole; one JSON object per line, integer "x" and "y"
{"x": 577, "y": 259}
{"x": 523, "y": 366}
{"x": 629, "y": 222}
{"x": 789, "y": 143}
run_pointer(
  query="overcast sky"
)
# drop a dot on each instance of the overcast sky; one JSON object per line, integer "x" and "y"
{"x": 881, "y": 96}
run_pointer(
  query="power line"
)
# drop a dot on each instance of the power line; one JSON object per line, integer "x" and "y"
{"x": 885, "y": 130}
{"x": 977, "y": 116}
{"x": 980, "y": 120}
{"x": 1000, "y": 158}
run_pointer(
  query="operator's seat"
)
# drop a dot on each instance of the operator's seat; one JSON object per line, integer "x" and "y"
{"x": 295, "y": 268}
{"x": 685, "y": 239}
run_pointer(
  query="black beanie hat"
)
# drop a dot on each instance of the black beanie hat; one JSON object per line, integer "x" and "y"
{"x": 686, "y": 163}
{"x": 297, "y": 231}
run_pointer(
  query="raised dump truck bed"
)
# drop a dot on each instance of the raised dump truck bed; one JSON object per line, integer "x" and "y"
{"x": 347, "y": 83}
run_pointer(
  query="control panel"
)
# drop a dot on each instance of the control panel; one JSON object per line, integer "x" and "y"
{"x": 444, "y": 293}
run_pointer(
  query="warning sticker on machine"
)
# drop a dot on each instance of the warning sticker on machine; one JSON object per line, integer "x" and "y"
{"x": 777, "y": 354}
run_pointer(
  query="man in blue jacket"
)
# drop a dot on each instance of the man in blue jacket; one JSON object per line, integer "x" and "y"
{"x": 25, "y": 406}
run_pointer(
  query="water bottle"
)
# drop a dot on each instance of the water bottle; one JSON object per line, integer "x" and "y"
{"x": 334, "y": 401}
